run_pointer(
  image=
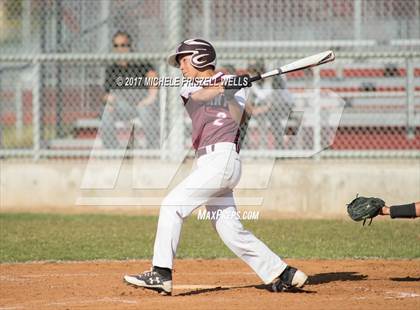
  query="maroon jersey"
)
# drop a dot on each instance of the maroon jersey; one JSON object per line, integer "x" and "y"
{"x": 211, "y": 121}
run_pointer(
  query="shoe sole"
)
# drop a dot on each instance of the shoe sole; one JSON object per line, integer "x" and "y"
{"x": 160, "y": 289}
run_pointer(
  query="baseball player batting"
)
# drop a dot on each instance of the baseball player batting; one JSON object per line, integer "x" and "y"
{"x": 215, "y": 136}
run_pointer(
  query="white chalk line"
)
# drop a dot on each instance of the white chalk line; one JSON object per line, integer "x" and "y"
{"x": 402, "y": 295}
{"x": 91, "y": 301}
{"x": 397, "y": 295}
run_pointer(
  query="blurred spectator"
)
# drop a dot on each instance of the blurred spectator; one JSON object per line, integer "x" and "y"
{"x": 124, "y": 105}
{"x": 269, "y": 103}
{"x": 227, "y": 69}
{"x": 308, "y": 77}
{"x": 282, "y": 103}
{"x": 260, "y": 103}
{"x": 367, "y": 86}
{"x": 391, "y": 70}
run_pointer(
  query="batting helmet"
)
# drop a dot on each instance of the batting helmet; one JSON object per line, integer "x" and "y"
{"x": 203, "y": 53}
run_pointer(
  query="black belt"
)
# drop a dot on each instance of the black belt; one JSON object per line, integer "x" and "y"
{"x": 203, "y": 150}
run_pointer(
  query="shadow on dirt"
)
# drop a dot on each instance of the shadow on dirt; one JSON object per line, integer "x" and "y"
{"x": 204, "y": 290}
{"x": 322, "y": 278}
{"x": 406, "y": 279}
{"x": 258, "y": 286}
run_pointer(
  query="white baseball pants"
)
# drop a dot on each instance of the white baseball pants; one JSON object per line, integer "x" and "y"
{"x": 211, "y": 184}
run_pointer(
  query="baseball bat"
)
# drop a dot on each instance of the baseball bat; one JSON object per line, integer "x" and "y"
{"x": 304, "y": 63}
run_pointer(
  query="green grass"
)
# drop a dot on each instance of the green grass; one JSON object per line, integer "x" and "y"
{"x": 28, "y": 237}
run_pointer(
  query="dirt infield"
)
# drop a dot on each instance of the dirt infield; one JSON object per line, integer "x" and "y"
{"x": 211, "y": 284}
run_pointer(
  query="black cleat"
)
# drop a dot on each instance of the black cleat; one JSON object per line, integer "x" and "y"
{"x": 152, "y": 280}
{"x": 289, "y": 278}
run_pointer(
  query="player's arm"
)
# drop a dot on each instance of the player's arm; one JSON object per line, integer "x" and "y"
{"x": 208, "y": 93}
{"x": 402, "y": 211}
{"x": 239, "y": 108}
{"x": 228, "y": 86}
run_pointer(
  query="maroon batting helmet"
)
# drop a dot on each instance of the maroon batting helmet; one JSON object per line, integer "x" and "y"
{"x": 203, "y": 53}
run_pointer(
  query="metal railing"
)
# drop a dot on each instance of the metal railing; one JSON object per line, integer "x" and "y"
{"x": 406, "y": 116}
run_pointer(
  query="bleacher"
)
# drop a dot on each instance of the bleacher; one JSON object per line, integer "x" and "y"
{"x": 375, "y": 115}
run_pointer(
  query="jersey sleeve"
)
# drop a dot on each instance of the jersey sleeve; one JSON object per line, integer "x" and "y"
{"x": 241, "y": 96}
{"x": 187, "y": 90}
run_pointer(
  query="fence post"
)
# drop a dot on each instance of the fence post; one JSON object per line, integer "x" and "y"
{"x": 176, "y": 111}
{"x": 357, "y": 20}
{"x": 59, "y": 130}
{"x": 206, "y": 19}
{"x": 104, "y": 34}
{"x": 26, "y": 24}
{"x": 19, "y": 109}
{"x": 410, "y": 97}
{"x": 36, "y": 112}
{"x": 317, "y": 113}
{"x": 163, "y": 99}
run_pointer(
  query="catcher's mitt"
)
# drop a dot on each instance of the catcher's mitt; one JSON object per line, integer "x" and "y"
{"x": 363, "y": 208}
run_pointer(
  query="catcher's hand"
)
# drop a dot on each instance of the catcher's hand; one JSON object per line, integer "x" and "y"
{"x": 363, "y": 208}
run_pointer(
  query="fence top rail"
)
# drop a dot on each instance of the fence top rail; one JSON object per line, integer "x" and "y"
{"x": 315, "y": 43}
{"x": 293, "y": 43}
{"x": 89, "y": 57}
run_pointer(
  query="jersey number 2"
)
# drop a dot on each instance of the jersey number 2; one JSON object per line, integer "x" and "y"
{"x": 218, "y": 121}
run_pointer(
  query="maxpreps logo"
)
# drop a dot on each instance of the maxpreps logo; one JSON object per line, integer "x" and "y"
{"x": 236, "y": 214}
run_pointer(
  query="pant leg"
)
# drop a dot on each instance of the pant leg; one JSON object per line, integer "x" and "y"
{"x": 266, "y": 264}
{"x": 208, "y": 180}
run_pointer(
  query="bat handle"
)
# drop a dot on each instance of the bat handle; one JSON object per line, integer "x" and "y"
{"x": 255, "y": 78}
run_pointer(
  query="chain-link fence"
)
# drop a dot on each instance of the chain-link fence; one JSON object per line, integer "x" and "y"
{"x": 60, "y": 57}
